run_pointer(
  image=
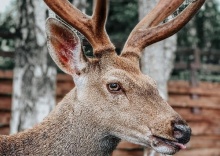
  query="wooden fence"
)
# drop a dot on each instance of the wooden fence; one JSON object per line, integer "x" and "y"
{"x": 64, "y": 84}
{"x": 201, "y": 113}
{"x": 199, "y": 105}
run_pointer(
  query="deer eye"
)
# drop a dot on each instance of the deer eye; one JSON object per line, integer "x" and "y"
{"x": 114, "y": 87}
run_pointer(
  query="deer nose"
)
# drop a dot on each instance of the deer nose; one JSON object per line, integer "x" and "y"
{"x": 182, "y": 133}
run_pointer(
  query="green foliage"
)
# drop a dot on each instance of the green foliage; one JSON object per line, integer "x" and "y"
{"x": 6, "y": 63}
{"x": 7, "y": 27}
{"x": 123, "y": 16}
{"x": 7, "y": 41}
{"x": 204, "y": 30}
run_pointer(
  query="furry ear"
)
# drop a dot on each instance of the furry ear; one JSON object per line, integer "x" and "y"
{"x": 64, "y": 47}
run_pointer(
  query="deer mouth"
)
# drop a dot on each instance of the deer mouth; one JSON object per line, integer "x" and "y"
{"x": 166, "y": 146}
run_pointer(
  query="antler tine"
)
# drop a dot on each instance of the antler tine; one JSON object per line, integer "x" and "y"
{"x": 99, "y": 13}
{"x": 155, "y": 16}
{"x": 93, "y": 28}
{"x": 98, "y": 22}
{"x": 147, "y": 32}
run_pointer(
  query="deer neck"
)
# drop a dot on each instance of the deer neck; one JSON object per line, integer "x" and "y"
{"x": 63, "y": 132}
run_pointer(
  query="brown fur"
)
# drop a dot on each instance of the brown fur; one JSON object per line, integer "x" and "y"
{"x": 91, "y": 119}
{"x": 83, "y": 125}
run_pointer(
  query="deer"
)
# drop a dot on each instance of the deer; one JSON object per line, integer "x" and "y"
{"x": 112, "y": 100}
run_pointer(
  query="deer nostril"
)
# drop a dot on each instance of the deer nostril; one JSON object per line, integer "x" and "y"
{"x": 182, "y": 133}
{"x": 177, "y": 134}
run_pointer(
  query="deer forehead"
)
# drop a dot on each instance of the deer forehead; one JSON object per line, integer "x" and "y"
{"x": 111, "y": 61}
{"x": 130, "y": 79}
{"x": 116, "y": 69}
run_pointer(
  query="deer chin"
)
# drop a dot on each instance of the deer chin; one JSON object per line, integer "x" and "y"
{"x": 166, "y": 146}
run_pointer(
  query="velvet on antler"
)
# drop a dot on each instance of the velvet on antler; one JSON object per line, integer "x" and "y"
{"x": 92, "y": 27}
{"x": 149, "y": 30}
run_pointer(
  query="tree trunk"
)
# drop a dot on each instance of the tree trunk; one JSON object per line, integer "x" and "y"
{"x": 80, "y": 4}
{"x": 157, "y": 59}
{"x": 34, "y": 73}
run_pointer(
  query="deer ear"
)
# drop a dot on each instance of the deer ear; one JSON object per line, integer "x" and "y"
{"x": 64, "y": 47}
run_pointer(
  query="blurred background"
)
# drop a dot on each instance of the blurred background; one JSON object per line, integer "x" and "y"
{"x": 186, "y": 67}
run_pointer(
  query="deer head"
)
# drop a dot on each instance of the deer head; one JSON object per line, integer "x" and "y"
{"x": 110, "y": 89}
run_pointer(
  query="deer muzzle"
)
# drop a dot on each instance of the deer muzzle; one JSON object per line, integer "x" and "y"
{"x": 181, "y": 135}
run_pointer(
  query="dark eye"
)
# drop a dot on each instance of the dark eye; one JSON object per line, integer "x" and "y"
{"x": 114, "y": 87}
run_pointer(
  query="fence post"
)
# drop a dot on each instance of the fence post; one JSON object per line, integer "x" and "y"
{"x": 194, "y": 80}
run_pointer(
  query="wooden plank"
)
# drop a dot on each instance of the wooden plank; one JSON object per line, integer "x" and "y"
{"x": 183, "y": 84}
{"x": 198, "y": 91}
{"x": 6, "y": 74}
{"x": 211, "y": 52}
{"x": 5, "y": 130}
{"x": 203, "y": 67}
{"x": 186, "y": 101}
{"x": 5, "y": 102}
{"x": 64, "y": 85}
{"x": 5, "y": 118}
{"x": 189, "y": 51}
{"x": 210, "y": 67}
{"x": 7, "y": 54}
{"x": 182, "y": 87}
{"x": 206, "y": 141}
{"x": 209, "y": 85}
{"x": 204, "y": 127}
{"x": 181, "y": 65}
{"x": 200, "y": 152}
{"x": 9, "y": 75}
{"x": 64, "y": 77}
{"x": 208, "y": 115}
{"x": 184, "y": 51}
{"x": 63, "y": 88}
{"x": 6, "y": 87}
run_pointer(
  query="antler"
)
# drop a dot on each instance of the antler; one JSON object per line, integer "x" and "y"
{"x": 147, "y": 31}
{"x": 92, "y": 27}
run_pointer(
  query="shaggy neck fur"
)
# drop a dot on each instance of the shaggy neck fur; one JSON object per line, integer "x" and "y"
{"x": 61, "y": 133}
